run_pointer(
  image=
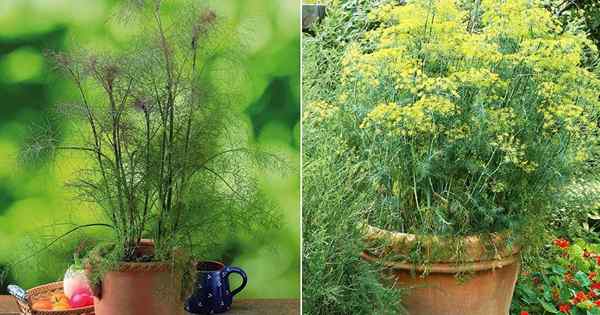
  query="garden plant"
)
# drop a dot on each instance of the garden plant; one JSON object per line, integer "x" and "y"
{"x": 583, "y": 15}
{"x": 461, "y": 119}
{"x": 155, "y": 121}
{"x": 567, "y": 282}
{"x": 335, "y": 280}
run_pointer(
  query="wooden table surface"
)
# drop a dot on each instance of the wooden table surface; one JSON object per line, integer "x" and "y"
{"x": 8, "y": 306}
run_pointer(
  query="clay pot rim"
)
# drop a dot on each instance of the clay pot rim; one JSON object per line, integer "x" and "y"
{"x": 146, "y": 242}
{"x": 150, "y": 266}
{"x": 373, "y": 231}
{"x": 220, "y": 265}
{"x": 140, "y": 266}
{"x": 475, "y": 247}
{"x": 448, "y": 268}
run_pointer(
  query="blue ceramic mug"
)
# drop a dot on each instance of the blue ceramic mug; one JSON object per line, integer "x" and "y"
{"x": 211, "y": 292}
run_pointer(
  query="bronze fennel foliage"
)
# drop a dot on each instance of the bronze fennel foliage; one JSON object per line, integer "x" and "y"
{"x": 167, "y": 156}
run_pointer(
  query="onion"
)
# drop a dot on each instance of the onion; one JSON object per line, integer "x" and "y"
{"x": 74, "y": 281}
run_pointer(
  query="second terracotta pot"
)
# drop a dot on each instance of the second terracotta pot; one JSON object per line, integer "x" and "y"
{"x": 486, "y": 286}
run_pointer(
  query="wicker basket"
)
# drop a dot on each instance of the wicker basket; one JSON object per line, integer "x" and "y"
{"x": 26, "y": 298}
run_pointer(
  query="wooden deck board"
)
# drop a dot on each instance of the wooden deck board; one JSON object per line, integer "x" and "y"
{"x": 241, "y": 307}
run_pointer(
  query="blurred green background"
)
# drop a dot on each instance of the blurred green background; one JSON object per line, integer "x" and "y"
{"x": 34, "y": 204}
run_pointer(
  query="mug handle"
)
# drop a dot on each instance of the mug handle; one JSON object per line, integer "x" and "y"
{"x": 230, "y": 270}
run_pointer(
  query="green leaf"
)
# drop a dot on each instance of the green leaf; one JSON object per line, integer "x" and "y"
{"x": 577, "y": 311}
{"x": 594, "y": 311}
{"x": 558, "y": 269}
{"x": 582, "y": 278}
{"x": 530, "y": 293}
{"x": 548, "y": 307}
{"x": 547, "y": 294}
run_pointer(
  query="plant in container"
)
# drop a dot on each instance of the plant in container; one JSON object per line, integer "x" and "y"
{"x": 469, "y": 119}
{"x": 164, "y": 164}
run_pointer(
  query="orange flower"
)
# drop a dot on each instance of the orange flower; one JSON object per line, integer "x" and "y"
{"x": 595, "y": 286}
{"x": 562, "y": 243}
{"x": 524, "y": 313}
{"x": 597, "y": 303}
{"x": 564, "y": 308}
{"x": 592, "y": 275}
{"x": 579, "y": 297}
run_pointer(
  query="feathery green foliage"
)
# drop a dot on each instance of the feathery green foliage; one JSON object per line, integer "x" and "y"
{"x": 335, "y": 279}
{"x": 578, "y": 14}
{"x": 576, "y": 213}
{"x": 467, "y": 121}
{"x": 345, "y": 22}
{"x": 166, "y": 160}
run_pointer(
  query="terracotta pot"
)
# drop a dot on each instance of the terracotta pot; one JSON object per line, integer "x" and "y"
{"x": 145, "y": 288}
{"x": 145, "y": 248}
{"x": 485, "y": 288}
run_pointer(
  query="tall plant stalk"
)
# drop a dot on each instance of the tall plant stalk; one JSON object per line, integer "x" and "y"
{"x": 163, "y": 162}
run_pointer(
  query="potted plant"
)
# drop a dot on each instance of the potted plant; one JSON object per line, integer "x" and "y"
{"x": 163, "y": 162}
{"x": 469, "y": 119}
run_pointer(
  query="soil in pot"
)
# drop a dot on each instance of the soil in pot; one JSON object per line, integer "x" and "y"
{"x": 480, "y": 284}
